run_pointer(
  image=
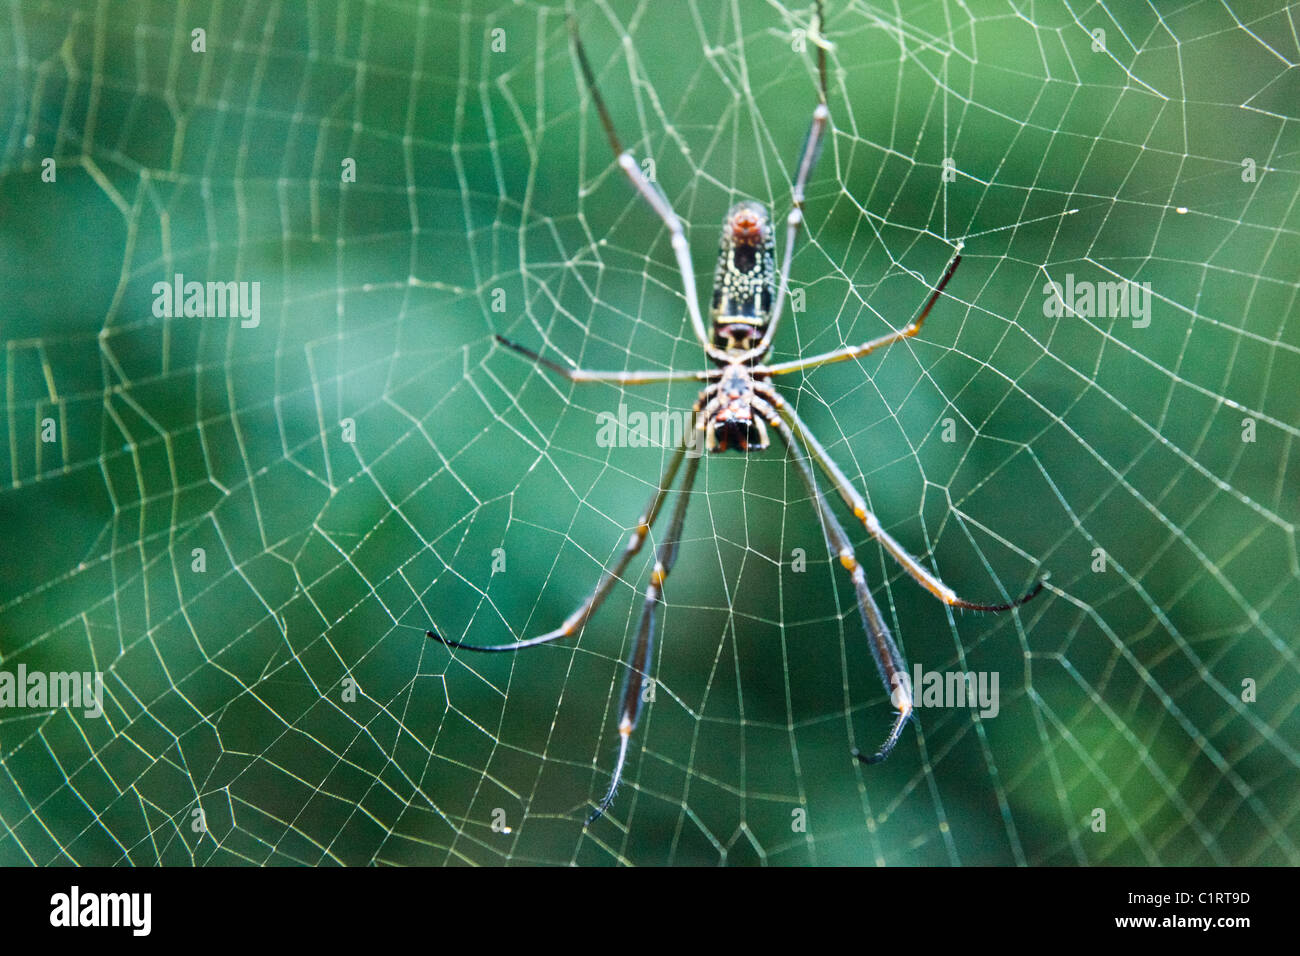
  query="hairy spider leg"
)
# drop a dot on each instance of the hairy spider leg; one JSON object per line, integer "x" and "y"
{"x": 858, "y": 506}
{"x": 889, "y": 660}
{"x": 812, "y": 150}
{"x": 650, "y": 192}
{"x": 588, "y": 607}
{"x": 638, "y": 663}
{"x": 618, "y": 378}
{"x": 889, "y": 338}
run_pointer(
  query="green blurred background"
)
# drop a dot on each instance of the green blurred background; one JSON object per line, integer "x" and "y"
{"x": 480, "y": 166}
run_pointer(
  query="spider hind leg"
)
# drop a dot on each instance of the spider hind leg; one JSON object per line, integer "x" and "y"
{"x": 888, "y": 746}
{"x": 995, "y": 608}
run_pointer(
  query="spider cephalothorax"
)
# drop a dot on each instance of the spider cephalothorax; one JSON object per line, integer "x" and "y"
{"x": 735, "y": 410}
{"x": 732, "y": 411}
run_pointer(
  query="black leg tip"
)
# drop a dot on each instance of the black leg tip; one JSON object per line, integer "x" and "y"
{"x": 1033, "y": 593}
{"x": 998, "y": 608}
{"x": 876, "y": 757}
{"x": 595, "y": 815}
{"x": 444, "y": 641}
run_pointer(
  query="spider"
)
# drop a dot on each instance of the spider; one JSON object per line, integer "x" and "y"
{"x": 735, "y": 410}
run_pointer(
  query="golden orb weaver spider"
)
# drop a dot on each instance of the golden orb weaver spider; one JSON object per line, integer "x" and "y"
{"x": 735, "y": 409}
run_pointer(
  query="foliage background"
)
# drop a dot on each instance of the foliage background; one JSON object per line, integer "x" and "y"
{"x": 482, "y": 170}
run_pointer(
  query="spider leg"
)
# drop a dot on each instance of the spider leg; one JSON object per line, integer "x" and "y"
{"x": 652, "y": 194}
{"x": 588, "y": 607}
{"x": 812, "y": 149}
{"x": 889, "y": 660}
{"x": 639, "y": 662}
{"x": 620, "y": 378}
{"x": 858, "y": 506}
{"x": 857, "y": 351}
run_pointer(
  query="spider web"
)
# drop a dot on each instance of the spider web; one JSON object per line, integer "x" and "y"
{"x": 287, "y": 690}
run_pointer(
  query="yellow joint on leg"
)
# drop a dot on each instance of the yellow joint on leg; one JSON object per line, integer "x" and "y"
{"x": 658, "y": 574}
{"x": 847, "y": 559}
{"x": 901, "y": 695}
{"x": 625, "y": 727}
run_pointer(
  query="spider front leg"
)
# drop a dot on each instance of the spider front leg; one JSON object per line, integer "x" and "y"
{"x": 638, "y": 663}
{"x": 588, "y": 607}
{"x": 889, "y": 660}
{"x": 889, "y": 338}
{"x": 616, "y": 378}
{"x": 858, "y": 506}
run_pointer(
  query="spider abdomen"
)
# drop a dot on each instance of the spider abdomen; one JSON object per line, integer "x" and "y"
{"x": 744, "y": 280}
